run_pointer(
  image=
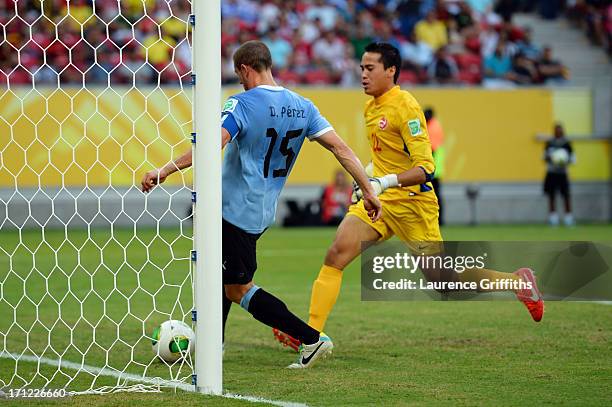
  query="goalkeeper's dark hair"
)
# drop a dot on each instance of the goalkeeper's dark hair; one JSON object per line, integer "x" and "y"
{"x": 389, "y": 56}
{"x": 254, "y": 54}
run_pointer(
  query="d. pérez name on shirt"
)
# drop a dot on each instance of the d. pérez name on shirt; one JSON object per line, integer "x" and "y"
{"x": 484, "y": 284}
{"x": 287, "y": 111}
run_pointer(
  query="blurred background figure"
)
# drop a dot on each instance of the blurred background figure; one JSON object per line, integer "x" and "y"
{"x": 436, "y": 136}
{"x": 336, "y": 199}
{"x": 550, "y": 69}
{"x": 432, "y": 31}
{"x": 443, "y": 69}
{"x": 558, "y": 154}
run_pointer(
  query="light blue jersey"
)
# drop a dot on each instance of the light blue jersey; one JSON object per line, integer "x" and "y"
{"x": 268, "y": 125}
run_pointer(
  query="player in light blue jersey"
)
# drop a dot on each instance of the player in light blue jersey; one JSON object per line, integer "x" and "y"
{"x": 264, "y": 129}
{"x": 267, "y": 125}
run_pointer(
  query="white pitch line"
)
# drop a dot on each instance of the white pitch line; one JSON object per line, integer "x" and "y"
{"x": 135, "y": 378}
{"x": 601, "y": 302}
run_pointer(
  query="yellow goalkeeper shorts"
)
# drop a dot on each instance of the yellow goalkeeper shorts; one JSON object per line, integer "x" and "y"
{"x": 413, "y": 221}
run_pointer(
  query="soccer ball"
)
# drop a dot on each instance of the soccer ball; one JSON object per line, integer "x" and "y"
{"x": 173, "y": 340}
{"x": 559, "y": 156}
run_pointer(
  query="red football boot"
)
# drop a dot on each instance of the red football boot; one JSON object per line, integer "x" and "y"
{"x": 286, "y": 340}
{"x": 532, "y": 298}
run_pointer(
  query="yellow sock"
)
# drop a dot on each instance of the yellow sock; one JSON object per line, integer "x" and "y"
{"x": 325, "y": 291}
{"x": 477, "y": 275}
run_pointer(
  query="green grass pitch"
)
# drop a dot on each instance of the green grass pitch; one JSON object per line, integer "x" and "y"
{"x": 387, "y": 353}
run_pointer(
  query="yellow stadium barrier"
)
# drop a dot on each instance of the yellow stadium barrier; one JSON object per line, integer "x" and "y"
{"x": 112, "y": 137}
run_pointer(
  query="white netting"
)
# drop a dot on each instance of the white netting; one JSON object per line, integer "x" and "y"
{"x": 92, "y": 95}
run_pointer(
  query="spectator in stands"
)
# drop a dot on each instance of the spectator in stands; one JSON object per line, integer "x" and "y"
{"x": 157, "y": 51}
{"x": 464, "y": 19}
{"x": 324, "y": 12}
{"x": 443, "y": 68}
{"x": 311, "y": 30}
{"x": 556, "y": 179}
{"x": 416, "y": 55}
{"x": 302, "y": 55}
{"x": 489, "y": 38}
{"x": 269, "y": 16}
{"x": 366, "y": 20}
{"x": 119, "y": 30}
{"x": 248, "y": 12}
{"x": 287, "y": 26}
{"x": 328, "y": 48}
{"x": 280, "y": 49}
{"x": 227, "y": 67}
{"x": 524, "y": 71}
{"x": 549, "y": 9}
{"x": 133, "y": 67}
{"x": 509, "y": 32}
{"x": 480, "y": 6}
{"x": 432, "y": 31}
{"x": 498, "y": 66}
{"x": 551, "y": 70}
{"x": 527, "y": 47}
{"x": 409, "y": 15}
{"x": 385, "y": 34}
{"x": 595, "y": 17}
{"x": 359, "y": 40}
{"x": 336, "y": 199}
{"x": 506, "y": 9}
{"x": 349, "y": 69}
{"x": 230, "y": 9}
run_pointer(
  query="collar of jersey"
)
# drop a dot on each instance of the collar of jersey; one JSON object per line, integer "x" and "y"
{"x": 387, "y": 95}
{"x": 270, "y": 87}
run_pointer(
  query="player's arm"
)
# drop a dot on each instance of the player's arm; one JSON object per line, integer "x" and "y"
{"x": 159, "y": 175}
{"x": 570, "y": 151}
{"x": 347, "y": 158}
{"x": 413, "y": 129}
{"x": 416, "y": 139}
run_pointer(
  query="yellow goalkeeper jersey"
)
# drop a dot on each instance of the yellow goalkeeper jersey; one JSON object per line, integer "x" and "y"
{"x": 398, "y": 137}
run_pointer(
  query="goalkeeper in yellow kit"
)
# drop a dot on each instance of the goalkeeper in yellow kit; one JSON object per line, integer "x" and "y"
{"x": 403, "y": 168}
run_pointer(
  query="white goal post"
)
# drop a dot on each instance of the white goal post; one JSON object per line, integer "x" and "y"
{"x": 93, "y": 94}
{"x": 207, "y": 182}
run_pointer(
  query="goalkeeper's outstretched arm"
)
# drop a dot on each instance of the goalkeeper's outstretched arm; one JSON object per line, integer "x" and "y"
{"x": 414, "y": 176}
{"x": 159, "y": 175}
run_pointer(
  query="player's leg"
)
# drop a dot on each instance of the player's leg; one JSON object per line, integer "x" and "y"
{"x": 355, "y": 229}
{"x": 270, "y": 310}
{"x": 239, "y": 266}
{"x": 227, "y": 305}
{"x": 417, "y": 225}
{"x": 568, "y": 220}
{"x": 550, "y": 190}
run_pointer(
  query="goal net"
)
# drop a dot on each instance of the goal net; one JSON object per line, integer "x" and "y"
{"x": 92, "y": 95}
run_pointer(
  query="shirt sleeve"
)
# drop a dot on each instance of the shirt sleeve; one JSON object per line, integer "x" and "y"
{"x": 317, "y": 125}
{"x": 232, "y": 117}
{"x": 416, "y": 140}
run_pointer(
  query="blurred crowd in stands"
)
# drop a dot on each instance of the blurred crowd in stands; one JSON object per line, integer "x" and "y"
{"x": 312, "y": 41}
{"x": 132, "y": 42}
{"x": 594, "y": 17}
